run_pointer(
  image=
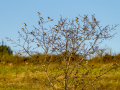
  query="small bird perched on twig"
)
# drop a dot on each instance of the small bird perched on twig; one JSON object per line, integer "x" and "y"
{"x": 56, "y": 30}
{"x": 44, "y": 33}
{"x": 41, "y": 18}
{"x": 58, "y": 38}
{"x": 38, "y": 45}
{"x": 24, "y": 24}
{"x": 38, "y": 13}
{"x": 38, "y": 22}
{"x": 77, "y": 18}
{"x": 94, "y": 19}
{"x": 56, "y": 26}
{"x": 50, "y": 19}
{"x": 85, "y": 17}
{"x": 19, "y": 53}
{"x": 22, "y": 28}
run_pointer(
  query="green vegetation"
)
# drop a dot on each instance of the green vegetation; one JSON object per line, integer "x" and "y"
{"x": 4, "y": 49}
{"x": 22, "y": 73}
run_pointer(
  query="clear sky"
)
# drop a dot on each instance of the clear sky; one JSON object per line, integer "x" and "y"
{"x": 13, "y": 13}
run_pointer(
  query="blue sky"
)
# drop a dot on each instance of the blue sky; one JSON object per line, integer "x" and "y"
{"x": 13, "y": 13}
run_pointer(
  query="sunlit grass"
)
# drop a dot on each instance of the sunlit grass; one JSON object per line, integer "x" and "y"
{"x": 21, "y": 73}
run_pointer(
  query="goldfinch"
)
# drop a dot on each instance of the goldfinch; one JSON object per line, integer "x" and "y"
{"x": 56, "y": 26}
{"x": 85, "y": 17}
{"x": 56, "y": 30}
{"x": 55, "y": 48}
{"x": 38, "y": 45}
{"x": 94, "y": 19}
{"x": 77, "y": 18}
{"x": 22, "y": 28}
{"x": 38, "y": 22}
{"x": 41, "y": 18}
{"x": 49, "y": 19}
{"x": 19, "y": 53}
{"x": 80, "y": 39}
{"x": 38, "y": 13}
{"x": 44, "y": 33}
{"x": 24, "y": 24}
{"x": 58, "y": 38}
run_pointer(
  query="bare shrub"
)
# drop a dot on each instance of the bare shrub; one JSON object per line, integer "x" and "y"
{"x": 68, "y": 36}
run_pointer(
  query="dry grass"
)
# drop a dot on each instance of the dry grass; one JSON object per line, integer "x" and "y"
{"x": 21, "y": 73}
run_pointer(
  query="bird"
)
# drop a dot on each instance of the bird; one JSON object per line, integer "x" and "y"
{"x": 55, "y": 48}
{"x": 58, "y": 38}
{"x": 38, "y": 45}
{"x": 77, "y": 18}
{"x": 24, "y": 24}
{"x": 49, "y": 18}
{"x": 85, "y": 17}
{"x": 38, "y": 13}
{"x": 19, "y": 53}
{"x": 56, "y": 30}
{"x": 38, "y": 22}
{"x": 56, "y": 26}
{"x": 41, "y": 18}
{"x": 94, "y": 19}
{"x": 44, "y": 33}
{"x": 22, "y": 28}
{"x": 31, "y": 32}
{"x": 80, "y": 39}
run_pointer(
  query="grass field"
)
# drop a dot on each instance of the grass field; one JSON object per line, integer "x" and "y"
{"x": 30, "y": 76}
